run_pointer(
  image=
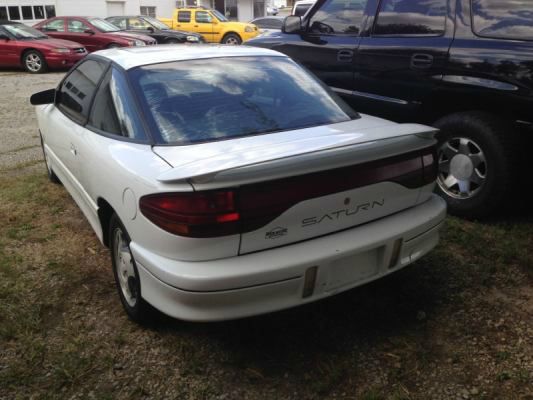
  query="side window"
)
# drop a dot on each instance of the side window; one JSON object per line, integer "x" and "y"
{"x": 113, "y": 110}
{"x": 76, "y": 26}
{"x": 184, "y": 16}
{"x": 137, "y": 23}
{"x": 57, "y": 25}
{"x": 118, "y": 22}
{"x": 411, "y": 17}
{"x": 339, "y": 16}
{"x": 505, "y": 20}
{"x": 202, "y": 17}
{"x": 77, "y": 90}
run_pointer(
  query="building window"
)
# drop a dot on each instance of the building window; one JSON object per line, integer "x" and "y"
{"x": 38, "y": 11}
{"x": 148, "y": 11}
{"x": 231, "y": 10}
{"x": 14, "y": 12}
{"x": 50, "y": 11}
{"x": 26, "y": 12}
{"x": 3, "y": 13}
{"x": 259, "y": 8}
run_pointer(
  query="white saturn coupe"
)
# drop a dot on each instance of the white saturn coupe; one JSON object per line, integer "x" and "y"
{"x": 229, "y": 182}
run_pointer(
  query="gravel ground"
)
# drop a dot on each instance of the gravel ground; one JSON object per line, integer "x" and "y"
{"x": 19, "y": 135}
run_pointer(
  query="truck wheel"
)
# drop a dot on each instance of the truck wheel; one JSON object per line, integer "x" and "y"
{"x": 34, "y": 62}
{"x": 477, "y": 162}
{"x": 231, "y": 38}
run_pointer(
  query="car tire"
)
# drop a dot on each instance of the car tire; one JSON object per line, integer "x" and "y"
{"x": 52, "y": 177}
{"x": 126, "y": 274}
{"x": 477, "y": 156}
{"x": 232, "y": 39}
{"x": 34, "y": 62}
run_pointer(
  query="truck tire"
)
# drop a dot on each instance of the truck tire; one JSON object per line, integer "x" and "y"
{"x": 231, "y": 38}
{"x": 477, "y": 155}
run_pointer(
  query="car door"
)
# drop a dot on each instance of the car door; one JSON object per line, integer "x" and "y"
{"x": 9, "y": 49}
{"x": 401, "y": 60}
{"x": 77, "y": 32}
{"x": 184, "y": 21}
{"x": 54, "y": 28}
{"x": 329, "y": 42}
{"x": 66, "y": 125}
{"x": 203, "y": 24}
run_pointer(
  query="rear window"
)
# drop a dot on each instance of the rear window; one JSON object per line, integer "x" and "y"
{"x": 211, "y": 99}
{"x": 503, "y": 19}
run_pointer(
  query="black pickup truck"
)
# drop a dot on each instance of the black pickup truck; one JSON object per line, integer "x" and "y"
{"x": 464, "y": 66}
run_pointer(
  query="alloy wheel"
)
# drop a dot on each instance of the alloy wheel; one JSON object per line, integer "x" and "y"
{"x": 462, "y": 168}
{"x": 34, "y": 62}
{"x": 125, "y": 269}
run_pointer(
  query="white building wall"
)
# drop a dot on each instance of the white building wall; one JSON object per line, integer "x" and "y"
{"x": 104, "y": 8}
{"x": 245, "y": 10}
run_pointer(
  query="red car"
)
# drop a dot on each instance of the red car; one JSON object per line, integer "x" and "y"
{"x": 93, "y": 33}
{"x": 36, "y": 52}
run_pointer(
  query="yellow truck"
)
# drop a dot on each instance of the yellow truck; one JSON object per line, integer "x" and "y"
{"x": 211, "y": 24}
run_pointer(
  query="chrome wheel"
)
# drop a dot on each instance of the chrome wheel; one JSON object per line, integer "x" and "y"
{"x": 33, "y": 61}
{"x": 125, "y": 269}
{"x": 462, "y": 168}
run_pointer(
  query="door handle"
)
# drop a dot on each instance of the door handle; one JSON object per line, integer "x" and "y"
{"x": 421, "y": 61}
{"x": 345, "y": 55}
{"x": 73, "y": 149}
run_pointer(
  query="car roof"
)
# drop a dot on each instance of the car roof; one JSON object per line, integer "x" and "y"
{"x": 131, "y": 57}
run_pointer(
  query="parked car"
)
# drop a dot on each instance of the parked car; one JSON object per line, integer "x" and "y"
{"x": 23, "y": 46}
{"x": 268, "y": 24}
{"x": 155, "y": 29}
{"x": 251, "y": 191}
{"x": 465, "y": 67}
{"x": 301, "y": 7}
{"x": 94, "y": 33}
{"x": 214, "y": 27}
{"x": 272, "y": 10}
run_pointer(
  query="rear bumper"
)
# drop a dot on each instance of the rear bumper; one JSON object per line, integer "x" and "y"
{"x": 274, "y": 279}
{"x": 63, "y": 60}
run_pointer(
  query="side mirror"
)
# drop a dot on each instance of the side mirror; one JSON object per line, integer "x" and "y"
{"x": 44, "y": 97}
{"x": 214, "y": 21}
{"x": 89, "y": 31}
{"x": 292, "y": 24}
{"x": 150, "y": 29}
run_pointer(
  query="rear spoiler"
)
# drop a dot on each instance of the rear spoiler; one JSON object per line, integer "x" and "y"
{"x": 313, "y": 154}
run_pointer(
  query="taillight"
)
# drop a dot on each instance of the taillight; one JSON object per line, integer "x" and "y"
{"x": 250, "y": 207}
{"x": 195, "y": 214}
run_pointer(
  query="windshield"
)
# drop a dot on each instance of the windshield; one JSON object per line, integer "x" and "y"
{"x": 156, "y": 23}
{"x": 219, "y": 16}
{"x": 210, "y": 99}
{"x": 103, "y": 25}
{"x": 21, "y": 31}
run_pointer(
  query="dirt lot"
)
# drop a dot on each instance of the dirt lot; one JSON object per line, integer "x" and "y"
{"x": 456, "y": 325}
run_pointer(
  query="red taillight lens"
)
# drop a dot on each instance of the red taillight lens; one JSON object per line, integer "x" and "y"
{"x": 196, "y": 214}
